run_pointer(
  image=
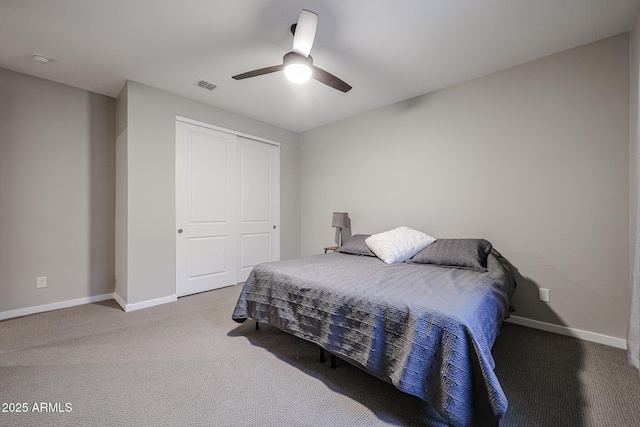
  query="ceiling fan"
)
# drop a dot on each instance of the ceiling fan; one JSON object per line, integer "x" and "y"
{"x": 298, "y": 65}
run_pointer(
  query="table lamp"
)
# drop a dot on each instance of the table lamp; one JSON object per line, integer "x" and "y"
{"x": 340, "y": 220}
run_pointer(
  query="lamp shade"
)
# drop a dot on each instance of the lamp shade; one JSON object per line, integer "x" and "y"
{"x": 341, "y": 220}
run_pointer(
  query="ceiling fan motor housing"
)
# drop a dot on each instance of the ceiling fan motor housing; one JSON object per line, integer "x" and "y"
{"x": 296, "y": 58}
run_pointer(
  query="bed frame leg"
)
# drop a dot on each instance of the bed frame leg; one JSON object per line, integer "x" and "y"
{"x": 257, "y": 326}
{"x": 333, "y": 358}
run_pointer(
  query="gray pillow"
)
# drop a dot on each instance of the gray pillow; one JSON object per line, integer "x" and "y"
{"x": 356, "y": 246}
{"x": 459, "y": 253}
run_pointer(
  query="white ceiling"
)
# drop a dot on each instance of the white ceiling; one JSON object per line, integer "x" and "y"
{"x": 387, "y": 50}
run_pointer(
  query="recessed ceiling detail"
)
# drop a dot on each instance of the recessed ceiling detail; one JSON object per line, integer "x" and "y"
{"x": 40, "y": 58}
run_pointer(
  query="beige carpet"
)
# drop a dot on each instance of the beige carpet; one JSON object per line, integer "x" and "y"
{"x": 188, "y": 364}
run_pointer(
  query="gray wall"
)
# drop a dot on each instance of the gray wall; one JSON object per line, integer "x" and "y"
{"x": 634, "y": 118}
{"x": 57, "y": 148}
{"x": 121, "y": 210}
{"x": 150, "y": 186}
{"x": 533, "y": 158}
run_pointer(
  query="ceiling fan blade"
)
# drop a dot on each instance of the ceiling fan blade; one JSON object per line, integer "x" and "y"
{"x": 305, "y": 32}
{"x": 261, "y": 71}
{"x": 329, "y": 79}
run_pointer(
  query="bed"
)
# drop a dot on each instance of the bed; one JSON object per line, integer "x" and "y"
{"x": 426, "y": 325}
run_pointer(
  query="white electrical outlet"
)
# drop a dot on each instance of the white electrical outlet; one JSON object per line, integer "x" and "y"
{"x": 41, "y": 282}
{"x": 543, "y": 294}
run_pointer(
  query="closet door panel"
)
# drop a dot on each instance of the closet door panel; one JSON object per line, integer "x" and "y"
{"x": 207, "y": 179}
{"x": 206, "y": 209}
{"x": 259, "y": 204}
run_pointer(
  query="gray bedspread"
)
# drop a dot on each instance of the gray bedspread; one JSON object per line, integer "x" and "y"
{"x": 426, "y": 329}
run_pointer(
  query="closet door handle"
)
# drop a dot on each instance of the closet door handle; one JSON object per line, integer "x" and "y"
{"x": 180, "y": 231}
{"x": 274, "y": 227}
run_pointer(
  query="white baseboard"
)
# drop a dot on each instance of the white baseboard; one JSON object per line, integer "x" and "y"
{"x": 53, "y": 306}
{"x": 571, "y": 332}
{"x": 144, "y": 304}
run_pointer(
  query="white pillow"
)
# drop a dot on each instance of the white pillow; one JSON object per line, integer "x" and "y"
{"x": 399, "y": 244}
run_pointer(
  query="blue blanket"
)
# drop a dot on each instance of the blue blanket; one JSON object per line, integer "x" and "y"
{"x": 426, "y": 329}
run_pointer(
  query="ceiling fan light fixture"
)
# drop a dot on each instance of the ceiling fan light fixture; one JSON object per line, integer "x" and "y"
{"x": 298, "y": 73}
{"x": 297, "y": 68}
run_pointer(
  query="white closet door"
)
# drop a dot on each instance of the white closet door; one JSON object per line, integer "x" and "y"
{"x": 259, "y": 204}
{"x": 206, "y": 209}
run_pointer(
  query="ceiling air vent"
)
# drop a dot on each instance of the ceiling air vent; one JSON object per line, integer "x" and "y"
{"x": 205, "y": 84}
